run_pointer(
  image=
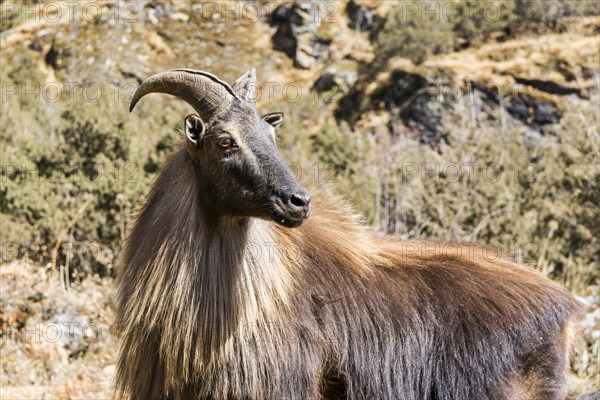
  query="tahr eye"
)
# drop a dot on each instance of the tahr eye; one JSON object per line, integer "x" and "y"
{"x": 225, "y": 143}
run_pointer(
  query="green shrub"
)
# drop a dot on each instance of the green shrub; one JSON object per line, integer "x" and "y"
{"x": 535, "y": 202}
{"x": 74, "y": 173}
{"x": 417, "y": 29}
{"x": 414, "y": 34}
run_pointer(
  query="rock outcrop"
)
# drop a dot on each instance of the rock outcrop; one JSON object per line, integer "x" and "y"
{"x": 297, "y": 26}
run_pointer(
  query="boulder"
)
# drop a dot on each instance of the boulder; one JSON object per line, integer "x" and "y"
{"x": 70, "y": 330}
{"x": 297, "y": 25}
{"x": 360, "y": 18}
{"x": 340, "y": 76}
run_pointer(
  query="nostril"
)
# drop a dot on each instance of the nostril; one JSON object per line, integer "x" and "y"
{"x": 299, "y": 201}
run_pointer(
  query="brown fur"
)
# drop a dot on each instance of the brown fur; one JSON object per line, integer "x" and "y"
{"x": 252, "y": 310}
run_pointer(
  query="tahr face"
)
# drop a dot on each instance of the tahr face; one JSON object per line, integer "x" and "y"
{"x": 246, "y": 176}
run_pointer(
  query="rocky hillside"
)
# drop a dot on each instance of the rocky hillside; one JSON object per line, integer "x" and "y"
{"x": 450, "y": 120}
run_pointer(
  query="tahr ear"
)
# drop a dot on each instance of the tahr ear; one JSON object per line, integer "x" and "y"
{"x": 245, "y": 86}
{"x": 194, "y": 129}
{"x": 274, "y": 119}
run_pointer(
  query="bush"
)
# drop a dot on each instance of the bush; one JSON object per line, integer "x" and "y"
{"x": 550, "y": 11}
{"x": 414, "y": 34}
{"x": 536, "y": 202}
{"x": 74, "y": 182}
{"x": 418, "y": 29}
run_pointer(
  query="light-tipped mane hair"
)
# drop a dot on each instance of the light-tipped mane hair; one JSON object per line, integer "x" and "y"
{"x": 252, "y": 310}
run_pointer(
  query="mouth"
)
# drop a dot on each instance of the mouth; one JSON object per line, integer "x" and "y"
{"x": 279, "y": 214}
{"x": 286, "y": 221}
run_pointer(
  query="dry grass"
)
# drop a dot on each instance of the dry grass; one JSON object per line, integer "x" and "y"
{"x": 551, "y": 57}
{"x": 35, "y": 362}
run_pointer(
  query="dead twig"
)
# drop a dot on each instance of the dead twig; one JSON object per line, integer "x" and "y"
{"x": 66, "y": 230}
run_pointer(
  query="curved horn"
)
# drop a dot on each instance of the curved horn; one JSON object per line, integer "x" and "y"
{"x": 205, "y": 92}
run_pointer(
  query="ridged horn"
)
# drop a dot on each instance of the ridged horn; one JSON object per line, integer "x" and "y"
{"x": 206, "y": 93}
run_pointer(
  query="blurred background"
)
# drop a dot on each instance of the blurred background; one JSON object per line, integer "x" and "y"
{"x": 468, "y": 121}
